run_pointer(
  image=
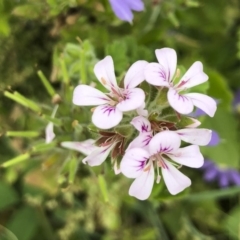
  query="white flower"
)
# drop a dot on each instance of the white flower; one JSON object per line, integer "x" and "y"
{"x": 110, "y": 106}
{"x": 86, "y": 147}
{"x": 99, "y": 155}
{"x": 49, "y": 133}
{"x": 95, "y": 155}
{"x": 139, "y": 163}
{"x": 145, "y": 133}
{"x": 161, "y": 74}
{"x": 194, "y": 136}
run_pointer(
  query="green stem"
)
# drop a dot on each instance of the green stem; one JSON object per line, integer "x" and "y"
{"x": 16, "y": 160}
{"x": 46, "y": 84}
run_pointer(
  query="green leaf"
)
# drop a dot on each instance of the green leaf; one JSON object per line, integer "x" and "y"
{"x": 202, "y": 88}
{"x": 29, "y": 11}
{"x": 103, "y": 187}
{"x": 220, "y": 90}
{"x": 118, "y": 51}
{"x": 24, "y": 223}
{"x": 124, "y": 130}
{"x": 213, "y": 194}
{"x": 227, "y": 152}
{"x": 232, "y": 224}
{"x": 5, "y": 234}
{"x": 73, "y": 167}
{"x": 8, "y": 196}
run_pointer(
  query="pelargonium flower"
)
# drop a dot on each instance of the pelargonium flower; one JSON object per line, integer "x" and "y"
{"x": 162, "y": 74}
{"x": 110, "y": 106}
{"x": 86, "y": 147}
{"x": 123, "y": 8}
{"x": 196, "y": 136}
{"x": 164, "y": 148}
{"x": 223, "y": 176}
{"x": 96, "y": 155}
{"x": 49, "y": 130}
{"x": 49, "y": 133}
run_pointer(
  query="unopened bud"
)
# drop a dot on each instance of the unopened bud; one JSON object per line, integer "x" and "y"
{"x": 56, "y": 99}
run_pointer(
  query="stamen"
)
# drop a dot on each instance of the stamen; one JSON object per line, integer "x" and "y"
{"x": 92, "y": 109}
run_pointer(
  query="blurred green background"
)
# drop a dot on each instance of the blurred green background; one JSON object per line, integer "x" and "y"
{"x": 64, "y": 39}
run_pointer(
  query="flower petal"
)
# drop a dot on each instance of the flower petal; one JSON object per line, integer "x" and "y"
{"x": 134, "y": 98}
{"x": 200, "y": 136}
{"x": 174, "y": 179}
{"x": 141, "y": 141}
{"x": 133, "y": 162}
{"x": 49, "y": 134}
{"x": 116, "y": 168}
{"x": 122, "y": 10}
{"x": 106, "y": 117}
{"x": 204, "y": 102}
{"x": 135, "y": 74}
{"x": 85, "y": 147}
{"x": 181, "y": 103}
{"x": 142, "y": 186}
{"x": 98, "y": 156}
{"x": 195, "y": 123}
{"x": 167, "y": 58}
{"x": 156, "y": 75}
{"x": 84, "y": 95}
{"x": 141, "y": 111}
{"x": 136, "y": 5}
{"x": 189, "y": 156}
{"x": 164, "y": 142}
{"x": 142, "y": 124}
{"x": 104, "y": 71}
{"x": 194, "y": 76}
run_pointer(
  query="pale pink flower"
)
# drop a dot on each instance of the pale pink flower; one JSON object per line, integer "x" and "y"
{"x": 95, "y": 155}
{"x": 139, "y": 163}
{"x": 99, "y": 155}
{"x": 110, "y": 106}
{"x": 162, "y": 74}
{"x": 49, "y": 133}
{"x": 86, "y": 147}
{"x": 49, "y": 130}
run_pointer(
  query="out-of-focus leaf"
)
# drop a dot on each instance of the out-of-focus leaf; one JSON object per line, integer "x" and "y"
{"x": 232, "y": 223}
{"x": 29, "y": 11}
{"x": 118, "y": 51}
{"x": 227, "y": 152}
{"x": 5, "y": 234}
{"x": 219, "y": 89}
{"x": 190, "y": 231}
{"x": 103, "y": 187}
{"x": 4, "y": 25}
{"x": 24, "y": 223}
{"x": 8, "y": 196}
{"x": 213, "y": 194}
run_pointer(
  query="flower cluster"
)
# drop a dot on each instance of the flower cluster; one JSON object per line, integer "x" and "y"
{"x": 144, "y": 124}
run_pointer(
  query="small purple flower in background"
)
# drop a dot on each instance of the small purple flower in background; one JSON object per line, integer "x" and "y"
{"x": 236, "y": 101}
{"x": 215, "y": 139}
{"x": 224, "y": 177}
{"x": 123, "y": 8}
